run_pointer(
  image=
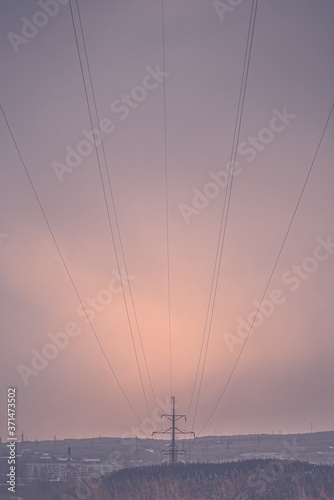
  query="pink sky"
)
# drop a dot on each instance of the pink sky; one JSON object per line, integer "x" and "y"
{"x": 284, "y": 378}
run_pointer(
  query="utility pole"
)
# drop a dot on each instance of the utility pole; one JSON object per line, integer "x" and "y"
{"x": 173, "y": 450}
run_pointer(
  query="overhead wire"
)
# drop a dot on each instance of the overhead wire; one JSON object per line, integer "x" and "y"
{"x": 166, "y": 199}
{"x": 65, "y": 264}
{"x": 114, "y": 205}
{"x": 224, "y": 218}
{"x": 272, "y": 271}
{"x": 107, "y": 210}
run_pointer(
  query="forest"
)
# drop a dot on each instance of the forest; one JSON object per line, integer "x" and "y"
{"x": 255, "y": 479}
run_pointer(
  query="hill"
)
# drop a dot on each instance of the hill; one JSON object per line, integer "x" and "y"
{"x": 316, "y": 447}
{"x": 244, "y": 480}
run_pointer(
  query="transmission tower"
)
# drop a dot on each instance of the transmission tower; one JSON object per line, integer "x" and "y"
{"x": 173, "y": 450}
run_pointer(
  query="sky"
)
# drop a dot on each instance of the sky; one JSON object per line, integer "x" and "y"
{"x": 283, "y": 379}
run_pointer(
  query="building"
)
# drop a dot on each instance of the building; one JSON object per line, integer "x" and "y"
{"x": 62, "y": 469}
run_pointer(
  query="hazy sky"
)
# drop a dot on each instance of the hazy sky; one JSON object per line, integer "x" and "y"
{"x": 284, "y": 378}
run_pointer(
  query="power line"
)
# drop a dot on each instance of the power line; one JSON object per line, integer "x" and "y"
{"x": 113, "y": 204}
{"x": 107, "y": 209}
{"x": 64, "y": 263}
{"x": 226, "y": 206}
{"x": 272, "y": 271}
{"x": 166, "y": 196}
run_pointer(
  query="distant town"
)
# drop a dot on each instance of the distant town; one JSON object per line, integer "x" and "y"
{"x": 62, "y": 460}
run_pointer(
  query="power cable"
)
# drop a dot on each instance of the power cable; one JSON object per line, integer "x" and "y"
{"x": 113, "y": 203}
{"x": 226, "y": 206}
{"x": 272, "y": 271}
{"x": 166, "y": 197}
{"x": 108, "y": 212}
{"x": 65, "y": 265}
